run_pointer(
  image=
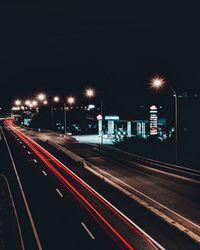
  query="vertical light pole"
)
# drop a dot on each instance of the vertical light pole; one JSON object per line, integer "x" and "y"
{"x": 157, "y": 83}
{"x": 18, "y": 103}
{"x": 41, "y": 97}
{"x": 55, "y": 99}
{"x": 70, "y": 101}
{"x": 64, "y": 110}
{"x": 90, "y": 93}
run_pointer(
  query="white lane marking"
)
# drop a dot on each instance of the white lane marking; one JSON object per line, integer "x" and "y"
{"x": 24, "y": 146}
{"x": 35, "y": 160}
{"x": 88, "y": 231}
{"x": 146, "y": 196}
{"x": 29, "y": 152}
{"x": 59, "y": 192}
{"x": 20, "y": 142}
{"x": 23, "y": 195}
{"x": 44, "y": 172}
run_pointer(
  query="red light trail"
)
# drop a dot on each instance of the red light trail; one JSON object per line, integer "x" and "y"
{"x": 44, "y": 156}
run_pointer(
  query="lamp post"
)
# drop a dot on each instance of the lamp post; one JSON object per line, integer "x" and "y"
{"x": 90, "y": 93}
{"x": 70, "y": 101}
{"x": 55, "y": 99}
{"x": 158, "y": 83}
{"x": 42, "y": 98}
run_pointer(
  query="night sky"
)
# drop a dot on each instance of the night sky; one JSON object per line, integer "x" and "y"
{"x": 63, "y": 46}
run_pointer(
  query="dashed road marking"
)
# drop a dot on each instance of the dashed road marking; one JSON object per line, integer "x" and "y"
{"x": 44, "y": 172}
{"x": 58, "y": 191}
{"x": 88, "y": 231}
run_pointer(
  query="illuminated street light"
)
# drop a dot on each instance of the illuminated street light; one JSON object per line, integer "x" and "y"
{"x": 56, "y": 99}
{"x": 45, "y": 102}
{"x": 71, "y": 100}
{"x": 27, "y": 102}
{"x": 89, "y": 92}
{"x": 41, "y": 97}
{"x": 157, "y": 83}
{"x": 17, "y": 102}
{"x": 35, "y": 103}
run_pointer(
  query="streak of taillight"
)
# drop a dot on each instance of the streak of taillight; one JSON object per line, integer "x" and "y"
{"x": 82, "y": 183}
{"x": 74, "y": 191}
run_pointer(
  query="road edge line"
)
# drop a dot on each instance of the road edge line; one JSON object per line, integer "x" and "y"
{"x": 23, "y": 194}
{"x": 15, "y": 211}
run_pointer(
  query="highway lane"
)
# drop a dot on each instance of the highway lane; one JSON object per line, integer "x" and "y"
{"x": 174, "y": 239}
{"x": 6, "y": 168}
{"x": 132, "y": 239}
{"x": 170, "y": 193}
{"x": 61, "y": 222}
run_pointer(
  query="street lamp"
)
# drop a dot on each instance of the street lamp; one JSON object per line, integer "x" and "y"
{"x": 34, "y": 103}
{"x": 27, "y": 102}
{"x": 45, "y": 102}
{"x": 41, "y": 97}
{"x": 55, "y": 99}
{"x": 90, "y": 93}
{"x": 18, "y": 102}
{"x": 158, "y": 83}
{"x": 70, "y": 100}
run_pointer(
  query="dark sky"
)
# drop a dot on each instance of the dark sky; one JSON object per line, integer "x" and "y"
{"x": 63, "y": 46}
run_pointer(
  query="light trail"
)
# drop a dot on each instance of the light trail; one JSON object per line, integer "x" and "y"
{"x": 74, "y": 191}
{"x": 43, "y": 154}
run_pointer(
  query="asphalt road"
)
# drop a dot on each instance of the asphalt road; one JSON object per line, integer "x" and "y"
{"x": 61, "y": 220}
{"x": 176, "y": 196}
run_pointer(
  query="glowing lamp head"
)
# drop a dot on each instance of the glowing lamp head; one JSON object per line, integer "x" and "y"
{"x": 41, "y": 97}
{"x": 71, "y": 100}
{"x": 27, "y": 102}
{"x": 56, "y": 99}
{"x": 35, "y": 103}
{"x": 90, "y": 92}
{"x": 157, "y": 82}
{"x": 17, "y": 102}
{"x": 45, "y": 102}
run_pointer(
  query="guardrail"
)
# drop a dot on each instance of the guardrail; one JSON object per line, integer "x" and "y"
{"x": 164, "y": 166}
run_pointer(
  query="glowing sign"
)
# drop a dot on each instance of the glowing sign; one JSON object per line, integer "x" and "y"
{"x": 153, "y": 120}
{"x": 99, "y": 117}
{"x": 91, "y": 106}
{"x": 112, "y": 117}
